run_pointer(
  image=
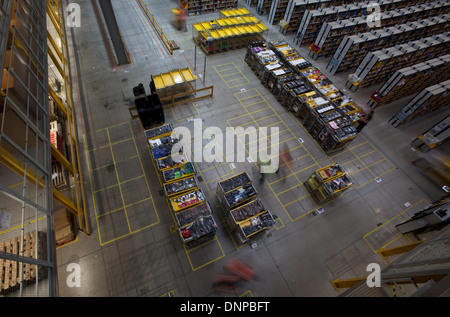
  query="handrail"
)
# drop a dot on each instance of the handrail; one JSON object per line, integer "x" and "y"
{"x": 172, "y": 98}
{"x": 156, "y": 26}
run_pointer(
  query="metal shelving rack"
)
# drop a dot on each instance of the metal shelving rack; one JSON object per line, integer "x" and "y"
{"x": 41, "y": 181}
{"x": 331, "y": 34}
{"x": 277, "y": 11}
{"x": 409, "y": 80}
{"x": 296, "y": 10}
{"x": 353, "y": 48}
{"x": 263, "y": 7}
{"x": 379, "y": 65}
{"x": 429, "y": 99}
{"x": 201, "y": 7}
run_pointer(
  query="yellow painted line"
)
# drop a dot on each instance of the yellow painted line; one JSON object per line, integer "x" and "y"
{"x": 253, "y": 104}
{"x": 142, "y": 168}
{"x": 349, "y": 149}
{"x": 288, "y": 204}
{"x": 15, "y": 185}
{"x": 124, "y": 182}
{"x": 385, "y": 223}
{"x": 111, "y": 127}
{"x": 118, "y": 181}
{"x": 246, "y": 98}
{"x": 239, "y": 84}
{"x": 19, "y": 226}
{"x": 167, "y": 294}
{"x": 314, "y": 140}
{"x": 366, "y": 167}
{"x": 212, "y": 167}
{"x": 182, "y": 119}
{"x": 224, "y": 70}
{"x": 357, "y": 157}
{"x": 357, "y": 187}
{"x": 304, "y": 169}
{"x": 207, "y": 263}
{"x": 108, "y": 145}
{"x": 104, "y": 166}
{"x": 229, "y": 81}
{"x": 92, "y": 189}
{"x": 251, "y": 89}
{"x": 260, "y": 110}
{"x": 217, "y": 178}
{"x": 184, "y": 40}
{"x": 273, "y": 115}
{"x": 276, "y": 133}
{"x": 282, "y": 223}
{"x": 231, "y": 74}
{"x": 378, "y": 151}
{"x": 247, "y": 292}
{"x": 235, "y": 118}
{"x": 390, "y": 242}
{"x": 127, "y": 206}
{"x": 289, "y": 189}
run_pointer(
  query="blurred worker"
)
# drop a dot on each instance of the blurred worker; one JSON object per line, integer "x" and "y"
{"x": 364, "y": 121}
{"x": 286, "y": 156}
{"x": 268, "y": 165}
{"x": 182, "y": 18}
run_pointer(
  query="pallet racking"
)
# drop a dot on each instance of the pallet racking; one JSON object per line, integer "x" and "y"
{"x": 13, "y": 273}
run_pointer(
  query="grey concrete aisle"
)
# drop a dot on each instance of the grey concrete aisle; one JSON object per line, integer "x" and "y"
{"x": 134, "y": 249}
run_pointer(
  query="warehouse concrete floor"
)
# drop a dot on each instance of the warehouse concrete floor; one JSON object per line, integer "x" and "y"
{"x": 134, "y": 250}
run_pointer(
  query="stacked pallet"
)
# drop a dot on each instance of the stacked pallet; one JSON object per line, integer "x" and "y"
{"x": 60, "y": 177}
{"x": 64, "y": 232}
{"x": 11, "y": 272}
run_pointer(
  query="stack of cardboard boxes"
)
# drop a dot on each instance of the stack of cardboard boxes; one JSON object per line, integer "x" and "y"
{"x": 63, "y": 227}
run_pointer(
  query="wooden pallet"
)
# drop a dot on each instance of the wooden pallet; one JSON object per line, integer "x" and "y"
{"x": 59, "y": 176}
{"x": 12, "y": 273}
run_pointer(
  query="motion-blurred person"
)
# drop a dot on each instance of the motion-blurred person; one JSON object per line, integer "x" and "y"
{"x": 364, "y": 121}
{"x": 182, "y": 18}
{"x": 286, "y": 156}
{"x": 266, "y": 166}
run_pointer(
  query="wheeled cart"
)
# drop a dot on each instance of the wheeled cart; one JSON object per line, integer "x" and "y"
{"x": 245, "y": 214}
{"x": 327, "y": 183}
{"x": 192, "y": 212}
